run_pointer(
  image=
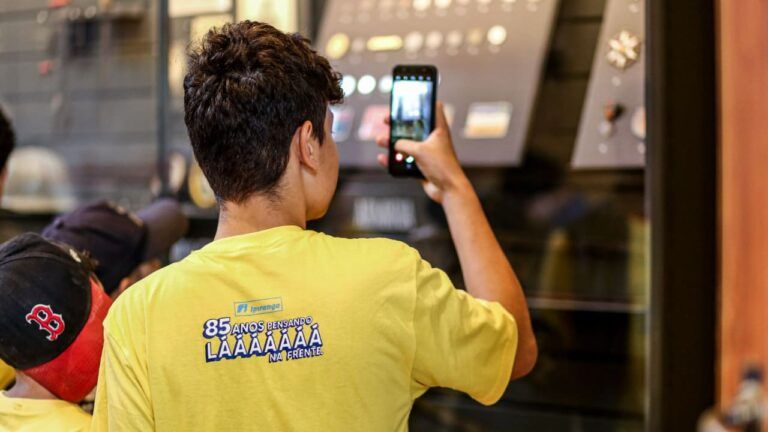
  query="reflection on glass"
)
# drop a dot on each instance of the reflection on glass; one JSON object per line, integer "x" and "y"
{"x": 200, "y": 25}
{"x": 372, "y": 124}
{"x": 38, "y": 182}
{"x": 283, "y": 14}
{"x": 343, "y": 117}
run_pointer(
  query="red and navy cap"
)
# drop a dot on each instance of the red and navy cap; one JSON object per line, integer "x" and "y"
{"x": 117, "y": 239}
{"x": 51, "y": 312}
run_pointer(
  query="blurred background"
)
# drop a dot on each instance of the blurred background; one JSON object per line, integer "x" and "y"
{"x": 547, "y": 101}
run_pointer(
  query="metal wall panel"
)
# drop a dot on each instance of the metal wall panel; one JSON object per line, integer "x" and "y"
{"x": 474, "y": 71}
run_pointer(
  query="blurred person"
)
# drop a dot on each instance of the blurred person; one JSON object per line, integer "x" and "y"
{"x": 125, "y": 246}
{"x": 51, "y": 311}
{"x": 282, "y": 328}
{"x": 7, "y": 144}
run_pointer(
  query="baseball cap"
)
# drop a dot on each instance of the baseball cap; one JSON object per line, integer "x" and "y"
{"x": 51, "y": 312}
{"x": 117, "y": 239}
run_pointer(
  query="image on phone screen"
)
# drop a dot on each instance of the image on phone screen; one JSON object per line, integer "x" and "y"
{"x": 411, "y": 114}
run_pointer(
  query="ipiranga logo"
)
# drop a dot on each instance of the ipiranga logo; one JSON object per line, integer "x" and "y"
{"x": 261, "y": 306}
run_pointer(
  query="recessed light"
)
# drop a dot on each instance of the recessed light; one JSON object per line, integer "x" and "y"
{"x": 348, "y": 84}
{"x": 497, "y": 35}
{"x": 434, "y": 40}
{"x": 385, "y": 43}
{"x": 337, "y": 46}
{"x": 475, "y": 36}
{"x": 453, "y": 39}
{"x": 366, "y": 84}
{"x": 421, "y": 5}
{"x": 385, "y": 84}
{"x": 413, "y": 41}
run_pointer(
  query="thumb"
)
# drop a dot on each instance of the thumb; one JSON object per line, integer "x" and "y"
{"x": 441, "y": 122}
{"x": 407, "y": 146}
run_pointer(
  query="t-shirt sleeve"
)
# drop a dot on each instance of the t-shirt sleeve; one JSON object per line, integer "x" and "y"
{"x": 462, "y": 343}
{"x": 7, "y": 374}
{"x": 122, "y": 394}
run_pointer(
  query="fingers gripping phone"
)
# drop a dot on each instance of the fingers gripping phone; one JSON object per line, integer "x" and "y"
{"x": 412, "y": 113}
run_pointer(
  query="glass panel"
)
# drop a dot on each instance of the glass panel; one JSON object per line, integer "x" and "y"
{"x": 570, "y": 216}
{"x": 543, "y": 98}
{"x": 78, "y": 84}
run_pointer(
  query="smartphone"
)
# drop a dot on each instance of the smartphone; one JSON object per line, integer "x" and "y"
{"x": 411, "y": 113}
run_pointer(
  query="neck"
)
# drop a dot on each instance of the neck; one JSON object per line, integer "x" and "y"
{"x": 258, "y": 213}
{"x": 28, "y": 388}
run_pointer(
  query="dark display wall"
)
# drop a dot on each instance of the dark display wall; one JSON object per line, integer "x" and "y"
{"x": 577, "y": 239}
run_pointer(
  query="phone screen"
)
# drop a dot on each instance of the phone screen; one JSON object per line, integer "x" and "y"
{"x": 411, "y": 113}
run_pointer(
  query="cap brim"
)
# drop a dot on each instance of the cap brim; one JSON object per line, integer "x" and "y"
{"x": 166, "y": 224}
{"x": 74, "y": 372}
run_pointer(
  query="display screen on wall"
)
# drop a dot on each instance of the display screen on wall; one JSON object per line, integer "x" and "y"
{"x": 489, "y": 55}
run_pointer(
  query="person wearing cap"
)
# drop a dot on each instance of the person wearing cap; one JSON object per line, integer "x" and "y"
{"x": 125, "y": 245}
{"x": 7, "y": 144}
{"x": 52, "y": 307}
{"x": 276, "y": 327}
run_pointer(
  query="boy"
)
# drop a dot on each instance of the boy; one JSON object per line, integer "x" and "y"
{"x": 275, "y": 327}
{"x": 125, "y": 245}
{"x": 51, "y": 312}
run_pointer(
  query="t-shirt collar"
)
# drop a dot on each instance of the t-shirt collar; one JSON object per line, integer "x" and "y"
{"x": 268, "y": 236}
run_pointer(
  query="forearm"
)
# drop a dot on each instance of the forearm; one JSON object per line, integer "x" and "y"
{"x": 487, "y": 272}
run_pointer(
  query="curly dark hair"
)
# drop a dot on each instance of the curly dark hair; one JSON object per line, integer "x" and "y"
{"x": 249, "y": 87}
{"x": 7, "y": 139}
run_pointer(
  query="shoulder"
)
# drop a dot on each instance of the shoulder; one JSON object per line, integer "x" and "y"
{"x": 72, "y": 418}
{"x": 371, "y": 248}
{"x": 371, "y": 244}
{"x": 131, "y": 305}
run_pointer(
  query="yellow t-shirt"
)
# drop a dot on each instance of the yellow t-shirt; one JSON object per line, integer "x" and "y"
{"x": 292, "y": 330}
{"x": 41, "y": 415}
{"x": 7, "y": 374}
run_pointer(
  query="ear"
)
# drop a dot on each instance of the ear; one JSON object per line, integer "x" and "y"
{"x": 309, "y": 146}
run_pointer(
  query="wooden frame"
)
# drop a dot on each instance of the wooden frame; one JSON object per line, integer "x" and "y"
{"x": 743, "y": 93}
{"x": 682, "y": 190}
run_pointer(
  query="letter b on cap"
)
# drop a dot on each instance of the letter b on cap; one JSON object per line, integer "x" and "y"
{"x": 51, "y": 322}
